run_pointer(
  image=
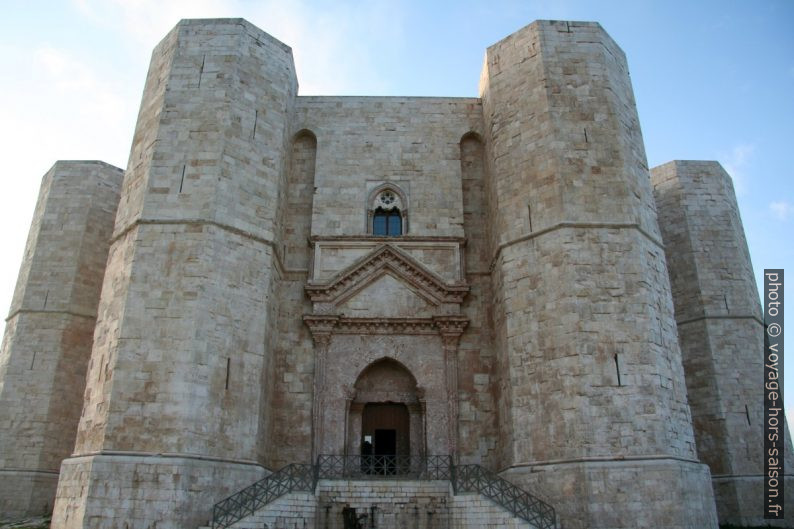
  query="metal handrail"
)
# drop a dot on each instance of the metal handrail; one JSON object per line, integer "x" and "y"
{"x": 291, "y": 478}
{"x": 384, "y": 467}
{"x": 304, "y": 477}
{"x": 474, "y": 478}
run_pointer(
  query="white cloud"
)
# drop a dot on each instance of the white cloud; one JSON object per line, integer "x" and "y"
{"x": 781, "y": 210}
{"x": 332, "y": 44}
{"x": 145, "y": 22}
{"x": 63, "y": 107}
{"x": 736, "y": 163}
{"x": 71, "y": 103}
{"x": 334, "y": 49}
{"x": 87, "y": 114}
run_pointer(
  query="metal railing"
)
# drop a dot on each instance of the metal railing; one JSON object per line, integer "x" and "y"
{"x": 474, "y": 478}
{"x": 291, "y": 478}
{"x": 384, "y": 467}
{"x": 464, "y": 478}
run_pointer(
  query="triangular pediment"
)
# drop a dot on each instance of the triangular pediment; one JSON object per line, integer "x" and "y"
{"x": 386, "y": 296}
{"x": 383, "y": 260}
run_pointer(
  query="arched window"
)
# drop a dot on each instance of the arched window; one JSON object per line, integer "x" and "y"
{"x": 387, "y": 212}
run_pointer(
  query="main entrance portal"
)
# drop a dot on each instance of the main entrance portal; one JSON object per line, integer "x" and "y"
{"x": 386, "y": 414}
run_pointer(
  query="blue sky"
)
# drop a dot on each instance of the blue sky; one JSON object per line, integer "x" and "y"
{"x": 713, "y": 80}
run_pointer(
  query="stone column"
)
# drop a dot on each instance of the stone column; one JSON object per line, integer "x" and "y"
{"x": 356, "y": 412}
{"x": 450, "y": 328}
{"x": 321, "y": 328}
{"x": 175, "y": 413}
{"x": 49, "y": 331}
{"x": 593, "y": 408}
{"x": 721, "y": 332}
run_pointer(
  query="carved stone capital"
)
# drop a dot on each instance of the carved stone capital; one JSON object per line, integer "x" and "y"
{"x": 321, "y": 327}
{"x": 450, "y": 328}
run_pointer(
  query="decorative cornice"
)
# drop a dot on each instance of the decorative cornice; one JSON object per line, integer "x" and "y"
{"x": 323, "y": 326}
{"x": 63, "y": 312}
{"x": 399, "y": 239}
{"x": 574, "y": 225}
{"x": 283, "y": 270}
{"x": 753, "y": 317}
{"x": 385, "y": 326}
{"x": 386, "y": 258}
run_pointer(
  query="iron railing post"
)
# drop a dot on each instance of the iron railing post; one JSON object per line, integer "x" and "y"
{"x": 316, "y": 474}
{"x": 453, "y": 475}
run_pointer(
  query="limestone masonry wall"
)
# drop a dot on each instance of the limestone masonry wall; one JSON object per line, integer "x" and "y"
{"x": 365, "y": 141}
{"x": 49, "y": 331}
{"x": 720, "y": 329}
{"x": 228, "y": 308}
{"x": 180, "y": 345}
{"x": 590, "y": 366}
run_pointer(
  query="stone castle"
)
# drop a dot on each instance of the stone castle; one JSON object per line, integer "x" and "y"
{"x": 275, "y": 277}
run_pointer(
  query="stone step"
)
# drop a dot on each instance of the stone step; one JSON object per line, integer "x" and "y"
{"x": 420, "y": 504}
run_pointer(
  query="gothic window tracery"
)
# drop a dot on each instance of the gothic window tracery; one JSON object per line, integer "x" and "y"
{"x": 387, "y": 212}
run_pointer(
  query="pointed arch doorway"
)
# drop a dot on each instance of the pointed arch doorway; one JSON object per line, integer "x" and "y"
{"x": 386, "y": 412}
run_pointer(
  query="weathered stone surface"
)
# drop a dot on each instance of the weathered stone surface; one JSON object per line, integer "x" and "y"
{"x": 118, "y": 491}
{"x": 589, "y": 364}
{"x": 49, "y": 331}
{"x": 386, "y": 505}
{"x": 252, "y": 315}
{"x": 720, "y": 328}
{"x": 182, "y": 340}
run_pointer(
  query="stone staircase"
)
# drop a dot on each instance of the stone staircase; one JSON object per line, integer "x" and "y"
{"x": 438, "y": 497}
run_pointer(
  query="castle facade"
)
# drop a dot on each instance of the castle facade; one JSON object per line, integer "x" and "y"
{"x": 275, "y": 277}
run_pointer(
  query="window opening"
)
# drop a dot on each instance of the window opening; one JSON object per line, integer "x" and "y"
{"x": 387, "y": 223}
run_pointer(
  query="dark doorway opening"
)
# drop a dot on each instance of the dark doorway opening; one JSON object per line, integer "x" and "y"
{"x": 385, "y": 443}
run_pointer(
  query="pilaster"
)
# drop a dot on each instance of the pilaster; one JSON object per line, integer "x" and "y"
{"x": 451, "y": 329}
{"x": 321, "y": 328}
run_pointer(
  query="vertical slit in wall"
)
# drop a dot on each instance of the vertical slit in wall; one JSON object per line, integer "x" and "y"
{"x": 256, "y": 119}
{"x": 33, "y": 360}
{"x": 201, "y": 70}
{"x": 659, "y": 319}
{"x": 228, "y": 369}
{"x": 747, "y": 413}
{"x": 46, "y": 297}
{"x": 661, "y": 334}
{"x": 529, "y": 214}
{"x": 182, "y": 181}
{"x": 725, "y": 299}
{"x": 585, "y": 135}
{"x": 617, "y": 369}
